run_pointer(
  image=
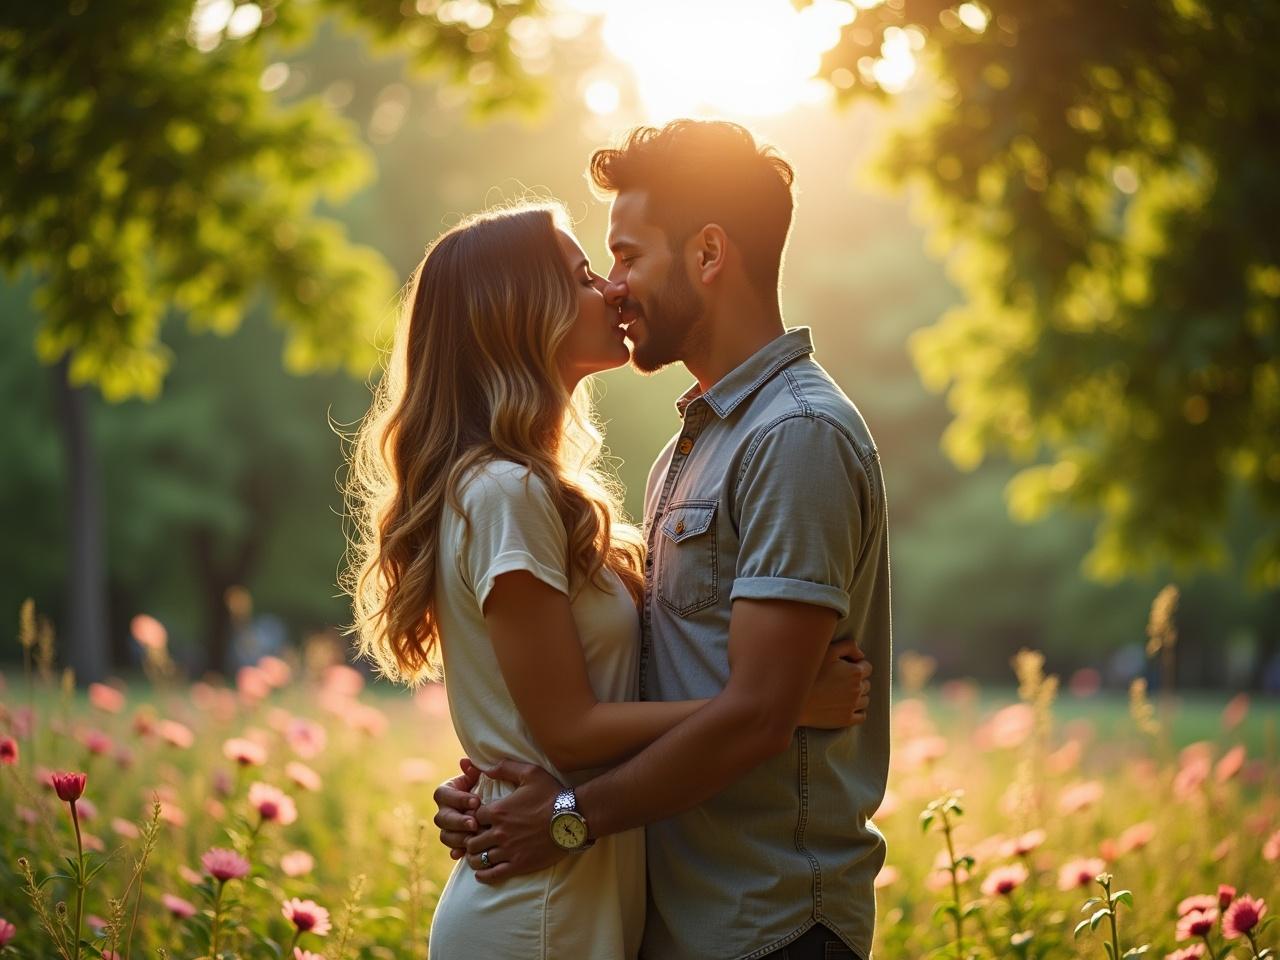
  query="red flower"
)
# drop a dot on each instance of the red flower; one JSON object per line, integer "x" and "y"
{"x": 69, "y": 786}
{"x": 1201, "y": 901}
{"x": 1197, "y": 923}
{"x": 7, "y": 930}
{"x": 307, "y": 915}
{"x": 1225, "y": 895}
{"x": 8, "y": 750}
{"x": 1242, "y": 916}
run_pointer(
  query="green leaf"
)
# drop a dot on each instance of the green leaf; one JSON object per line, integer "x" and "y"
{"x": 926, "y": 820}
{"x": 1137, "y": 951}
{"x": 1122, "y": 896}
{"x": 1111, "y": 952}
{"x": 1090, "y": 903}
{"x": 966, "y": 862}
{"x": 1080, "y": 927}
{"x": 945, "y": 909}
{"x": 1097, "y": 918}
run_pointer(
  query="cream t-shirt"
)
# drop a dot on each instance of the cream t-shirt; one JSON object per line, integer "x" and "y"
{"x": 590, "y": 904}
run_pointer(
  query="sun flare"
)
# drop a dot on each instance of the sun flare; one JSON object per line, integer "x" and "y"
{"x": 736, "y": 57}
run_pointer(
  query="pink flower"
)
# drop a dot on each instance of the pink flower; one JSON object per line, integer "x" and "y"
{"x": 68, "y": 786}
{"x": 245, "y": 752}
{"x": 8, "y": 750}
{"x": 97, "y": 742}
{"x": 272, "y": 803}
{"x": 1230, "y": 764}
{"x": 1079, "y": 873}
{"x": 302, "y": 775}
{"x": 1004, "y": 880}
{"x": 189, "y": 875}
{"x": 149, "y": 632}
{"x": 1199, "y": 901}
{"x": 251, "y": 683}
{"x": 1197, "y": 923}
{"x": 1136, "y": 837}
{"x": 300, "y": 954}
{"x": 1080, "y": 796}
{"x": 1271, "y": 848}
{"x": 307, "y": 915}
{"x": 1023, "y": 845}
{"x": 105, "y": 698}
{"x": 416, "y": 770}
{"x": 297, "y": 862}
{"x": 1009, "y": 727}
{"x": 1225, "y": 895}
{"x": 125, "y": 828}
{"x": 1234, "y": 712}
{"x": 887, "y": 876}
{"x": 1242, "y": 916}
{"x": 274, "y": 670}
{"x": 1193, "y": 952}
{"x": 224, "y": 864}
{"x": 342, "y": 679}
{"x": 87, "y": 809}
{"x": 175, "y": 733}
{"x": 7, "y": 930}
{"x": 182, "y": 909}
{"x": 305, "y": 737}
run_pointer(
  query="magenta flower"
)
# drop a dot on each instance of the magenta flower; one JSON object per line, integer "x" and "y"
{"x": 1197, "y": 923}
{"x": 182, "y": 909}
{"x": 300, "y": 954}
{"x": 297, "y": 862}
{"x": 1080, "y": 873}
{"x": 224, "y": 864}
{"x": 1193, "y": 952}
{"x": 1004, "y": 880}
{"x": 302, "y": 775}
{"x": 1225, "y": 895}
{"x": 1242, "y": 916}
{"x": 307, "y": 916}
{"x": 68, "y": 786}
{"x": 8, "y": 750}
{"x": 272, "y": 803}
{"x": 7, "y": 930}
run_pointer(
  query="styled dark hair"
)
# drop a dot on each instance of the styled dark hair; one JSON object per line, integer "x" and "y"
{"x": 696, "y": 172}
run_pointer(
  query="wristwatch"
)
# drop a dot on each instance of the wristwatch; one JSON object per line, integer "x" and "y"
{"x": 568, "y": 826}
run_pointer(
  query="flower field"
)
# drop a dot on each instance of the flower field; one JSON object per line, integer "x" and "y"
{"x": 288, "y": 815}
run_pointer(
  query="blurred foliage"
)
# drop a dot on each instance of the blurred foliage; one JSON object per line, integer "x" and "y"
{"x": 1101, "y": 179}
{"x": 152, "y": 171}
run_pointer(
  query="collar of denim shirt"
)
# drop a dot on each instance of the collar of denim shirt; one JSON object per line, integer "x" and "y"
{"x": 747, "y": 377}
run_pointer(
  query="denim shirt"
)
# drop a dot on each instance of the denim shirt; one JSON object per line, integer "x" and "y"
{"x": 772, "y": 489}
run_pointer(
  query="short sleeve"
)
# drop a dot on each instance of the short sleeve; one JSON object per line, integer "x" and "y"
{"x": 801, "y": 501}
{"x": 512, "y": 525}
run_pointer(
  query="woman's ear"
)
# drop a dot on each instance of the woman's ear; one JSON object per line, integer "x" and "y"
{"x": 710, "y": 247}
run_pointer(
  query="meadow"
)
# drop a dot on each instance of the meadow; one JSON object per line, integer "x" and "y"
{"x": 287, "y": 814}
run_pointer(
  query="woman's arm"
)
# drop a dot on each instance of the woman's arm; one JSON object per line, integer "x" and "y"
{"x": 536, "y": 642}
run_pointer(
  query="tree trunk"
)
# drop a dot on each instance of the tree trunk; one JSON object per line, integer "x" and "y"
{"x": 84, "y": 626}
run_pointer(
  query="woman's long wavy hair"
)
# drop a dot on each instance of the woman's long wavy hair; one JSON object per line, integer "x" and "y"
{"x": 472, "y": 376}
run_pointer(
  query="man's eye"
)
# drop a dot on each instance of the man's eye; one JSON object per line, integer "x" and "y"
{"x": 628, "y": 261}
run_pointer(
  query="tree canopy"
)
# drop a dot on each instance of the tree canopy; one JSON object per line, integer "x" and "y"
{"x": 154, "y": 171}
{"x": 1100, "y": 177}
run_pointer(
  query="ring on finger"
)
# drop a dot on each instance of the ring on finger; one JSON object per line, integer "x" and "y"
{"x": 484, "y": 858}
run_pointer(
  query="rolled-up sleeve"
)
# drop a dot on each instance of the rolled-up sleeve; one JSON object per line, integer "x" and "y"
{"x": 800, "y": 501}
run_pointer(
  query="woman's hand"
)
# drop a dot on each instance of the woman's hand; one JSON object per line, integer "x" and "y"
{"x": 842, "y": 691}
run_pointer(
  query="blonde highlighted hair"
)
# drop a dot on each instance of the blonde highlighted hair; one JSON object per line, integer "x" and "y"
{"x": 472, "y": 377}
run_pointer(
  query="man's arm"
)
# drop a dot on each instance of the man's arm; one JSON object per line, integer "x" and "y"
{"x": 775, "y": 649}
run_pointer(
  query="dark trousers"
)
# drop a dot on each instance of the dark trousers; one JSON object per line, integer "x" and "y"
{"x": 816, "y": 943}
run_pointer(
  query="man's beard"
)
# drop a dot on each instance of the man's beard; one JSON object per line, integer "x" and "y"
{"x": 669, "y": 324}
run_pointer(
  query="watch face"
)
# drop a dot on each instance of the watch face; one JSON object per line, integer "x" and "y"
{"x": 569, "y": 830}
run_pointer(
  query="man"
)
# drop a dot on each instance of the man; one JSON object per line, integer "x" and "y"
{"x": 766, "y": 524}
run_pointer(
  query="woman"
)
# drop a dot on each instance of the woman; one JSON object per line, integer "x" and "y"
{"x": 491, "y": 544}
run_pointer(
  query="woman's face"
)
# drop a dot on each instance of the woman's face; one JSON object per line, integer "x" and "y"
{"x": 595, "y": 342}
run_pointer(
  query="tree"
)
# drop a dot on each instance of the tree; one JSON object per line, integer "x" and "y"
{"x": 1101, "y": 178}
{"x": 152, "y": 174}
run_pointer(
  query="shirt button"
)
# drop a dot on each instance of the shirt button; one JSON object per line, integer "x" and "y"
{"x": 686, "y": 444}
{"x": 679, "y": 526}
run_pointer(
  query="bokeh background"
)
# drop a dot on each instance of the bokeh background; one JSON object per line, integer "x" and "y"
{"x": 1035, "y": 243}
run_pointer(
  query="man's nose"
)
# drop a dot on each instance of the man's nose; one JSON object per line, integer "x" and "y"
{"x": 615, "y": 292}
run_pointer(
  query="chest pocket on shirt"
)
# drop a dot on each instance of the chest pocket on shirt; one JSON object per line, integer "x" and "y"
{"x": 686, "y": 561}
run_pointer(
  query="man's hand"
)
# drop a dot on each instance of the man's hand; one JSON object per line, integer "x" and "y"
{"x": 516, "y": 829}
{"x": 842, "y": 691}
{"x": 456, "y": 807}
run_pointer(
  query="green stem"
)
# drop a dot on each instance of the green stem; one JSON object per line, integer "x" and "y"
{"x": 297, "y": 935}
{"x": 955, "y": 886}
{"x": 1253, "y": 944}
{"x": 217, "y": 911}
{"x": 75, "y": 820}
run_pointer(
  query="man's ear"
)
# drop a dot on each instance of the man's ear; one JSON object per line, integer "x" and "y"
{"x": 709, "y": 252}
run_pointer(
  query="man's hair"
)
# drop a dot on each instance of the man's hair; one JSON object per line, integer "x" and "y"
{"x": 695, "y": 172}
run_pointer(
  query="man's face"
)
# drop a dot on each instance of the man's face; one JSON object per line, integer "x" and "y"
{"x": 649, "y": 286}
